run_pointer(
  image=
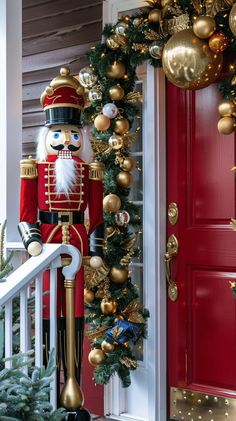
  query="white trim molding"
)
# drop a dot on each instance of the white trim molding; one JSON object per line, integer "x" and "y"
{"x": 150, "y": 381}
{"x": 10, "y": 112}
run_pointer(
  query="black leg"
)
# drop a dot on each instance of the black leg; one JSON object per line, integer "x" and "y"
{"x": 79, "y": 415}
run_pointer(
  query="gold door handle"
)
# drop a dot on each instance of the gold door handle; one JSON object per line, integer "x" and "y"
{"x": 172, "y": 251}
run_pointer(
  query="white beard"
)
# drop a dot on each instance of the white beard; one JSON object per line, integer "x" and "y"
{"x": 65, "y": 175}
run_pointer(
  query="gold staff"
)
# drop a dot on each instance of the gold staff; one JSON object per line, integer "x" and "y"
{"x": 71, "y": 396}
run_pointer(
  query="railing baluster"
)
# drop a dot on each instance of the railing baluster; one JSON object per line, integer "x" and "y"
{"x": 19, "y": 283}
{"x": 24, "y": 324}
{"x": 53, "y": 329}
{"x": 8, "y": 333}
{"x": 38, "y": 321}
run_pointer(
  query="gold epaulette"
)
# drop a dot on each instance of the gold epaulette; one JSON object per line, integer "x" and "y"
{"x": 28, "y": 168}
{"x": 96, "y": 171}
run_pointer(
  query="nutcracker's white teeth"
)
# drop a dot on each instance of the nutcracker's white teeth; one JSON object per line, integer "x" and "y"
{"x": 65, "y": 154}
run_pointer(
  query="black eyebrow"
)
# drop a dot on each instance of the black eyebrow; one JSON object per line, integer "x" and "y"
{"x": 56, "y": 131}
{"x": 73, "y": 131}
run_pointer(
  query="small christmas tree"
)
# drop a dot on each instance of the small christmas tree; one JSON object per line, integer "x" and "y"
{"x": 26, "y": 397}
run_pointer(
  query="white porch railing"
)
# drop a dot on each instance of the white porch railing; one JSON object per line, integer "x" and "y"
{"x": 18, "y": 283}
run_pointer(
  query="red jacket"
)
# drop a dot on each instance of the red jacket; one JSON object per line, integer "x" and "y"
{"x": 40, "y": 194}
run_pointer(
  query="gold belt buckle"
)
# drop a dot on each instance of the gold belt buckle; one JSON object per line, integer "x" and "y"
{"x": 70, "y": 218}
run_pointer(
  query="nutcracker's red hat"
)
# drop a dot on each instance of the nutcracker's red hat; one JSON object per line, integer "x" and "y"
{"x": 63, "y": 100}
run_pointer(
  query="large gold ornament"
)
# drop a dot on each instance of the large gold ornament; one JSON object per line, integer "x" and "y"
{"x": 124, "y": 179}
{"x": 232, "y": 20}
{"x": 226, "y": 125}
{"x": 227, "y": 108}
{"x": 128, "y": 164}
{"x": 154, "y": 16}
{"x": 107, "y": 347}
{"x": 108, "y": 307}
{"x": 121, "y": 126}
{"x": 116, "y": 70}
{"x": 119, "y": 275}
{"x": 188, "y": 61}
{"x": 102, "y": 122}
{"x": 204, "y": 27}
{"x": 116, "y": 93}
{"x": 96, "y": 357}
{"x": 111, "y": 203}
{"x": 218, "y": 42}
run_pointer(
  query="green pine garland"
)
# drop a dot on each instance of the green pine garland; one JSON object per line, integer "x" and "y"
{"x": 130, "y": 41}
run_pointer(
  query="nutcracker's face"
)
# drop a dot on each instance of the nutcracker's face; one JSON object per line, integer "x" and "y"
{"x": 64, "y": 140}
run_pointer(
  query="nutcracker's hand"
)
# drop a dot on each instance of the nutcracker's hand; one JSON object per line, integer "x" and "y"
{"x": 34, "y": 248}
{"x": 31, "y": 237}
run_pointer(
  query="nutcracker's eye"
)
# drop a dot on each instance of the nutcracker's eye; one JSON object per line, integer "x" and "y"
{"x": 56, "y": 135}
{"x": 75, "y": 137}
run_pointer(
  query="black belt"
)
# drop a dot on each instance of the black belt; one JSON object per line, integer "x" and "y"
{"x": 59, "y": 217}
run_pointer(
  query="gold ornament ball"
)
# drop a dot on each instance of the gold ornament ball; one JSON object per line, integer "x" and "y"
{"x": 154, "y": 16}
{"x": 124, "y": 179}
{"x": 116, "y": 142}
{"x": 102, "y": 122}
{"x": 96, "y": 357}
{"x": 226, "y": 125}
{"x": 111, "y": 203}
{"x": 119, "y": 275}
{"x": 126, "y": 18}
{"x": 232, "y": 20}
{"x": 188, "y": 61}
{"x": 112, "y": 42}
{"x": 108, "y": 307}
{"x": 227, "y": 108}
{"x": 116, "y": 93}
{"x": 107, "y": 347}
{"x": 204, "y": 27}
{"x": 88, "y": 296}
{"x": 121, "y": 126}
{"x": 96, "y": 262}
{"x": 116, "y": 70}
{"x": 218, "y": 42}
{"x": 128, "y": 164}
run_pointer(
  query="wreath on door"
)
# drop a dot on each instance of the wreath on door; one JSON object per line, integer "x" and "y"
{"x": 189, "y": 40}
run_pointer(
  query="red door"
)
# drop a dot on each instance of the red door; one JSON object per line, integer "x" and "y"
{"x": 202, "y": 321}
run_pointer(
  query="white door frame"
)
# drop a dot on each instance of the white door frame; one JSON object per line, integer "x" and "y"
{"x": 10, "y": 112}
{"x": 154, "y": 168}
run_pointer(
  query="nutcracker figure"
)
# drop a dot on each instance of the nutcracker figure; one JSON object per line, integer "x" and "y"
{"x": 56, "y": 190}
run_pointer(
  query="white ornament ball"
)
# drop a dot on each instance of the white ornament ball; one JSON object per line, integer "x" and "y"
{"x": 96, "y": 262}
{"x": 110, "y": 110}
